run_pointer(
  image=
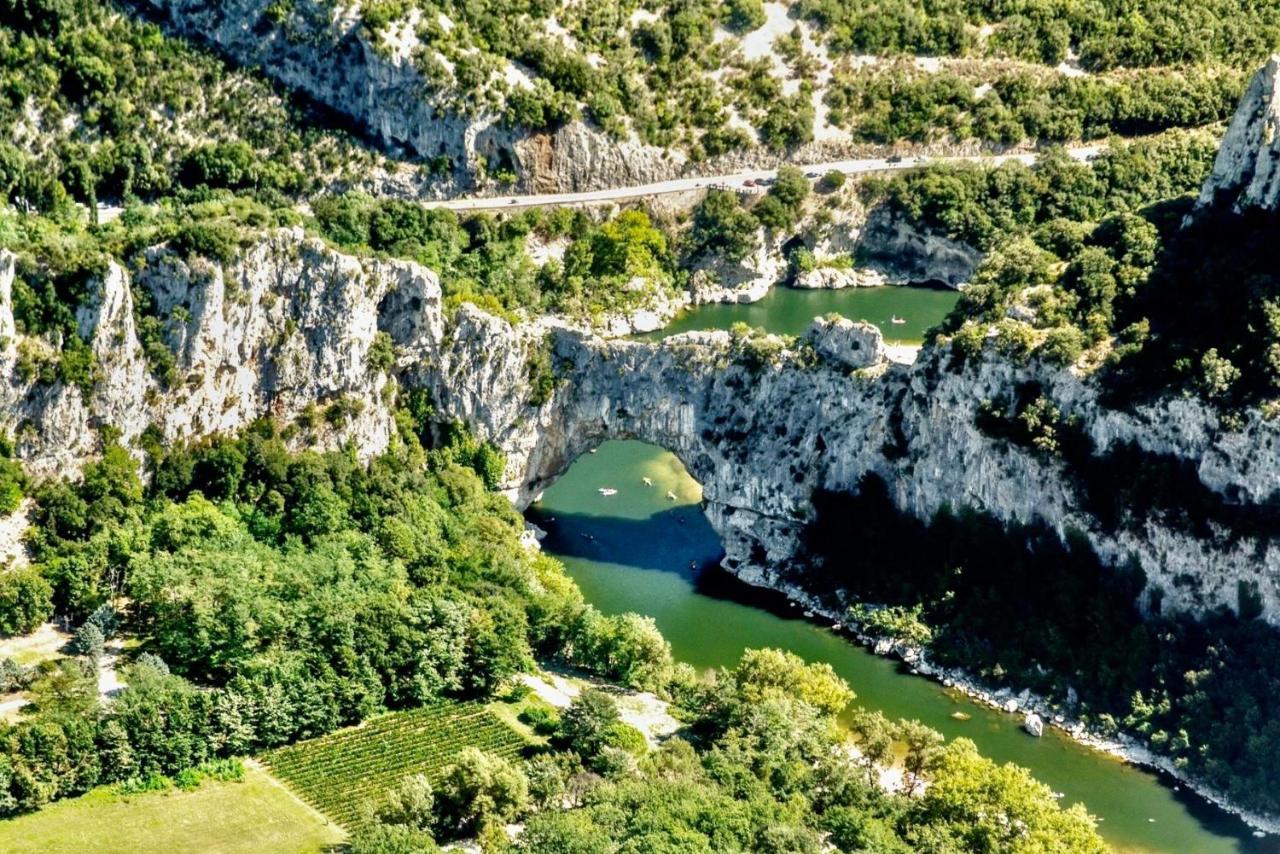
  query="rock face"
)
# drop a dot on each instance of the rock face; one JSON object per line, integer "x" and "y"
{"x": 1246, "y": 172}
{"x": 287, "y": 326}
{"x": 837, "y": 278}
{"x": 843, "y": 342}
{"x": 323, "y": 51}
{"x": 904, "y": 253}
{"x": 291, "y": 324}
{"x": 717, "y": 279}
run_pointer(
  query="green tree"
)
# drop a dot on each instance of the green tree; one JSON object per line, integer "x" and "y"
{"x": 410, "y": 803}
{"x": 993, "y": 807}
{"x": 923, "y": 751}
{"x": 26, "y": 601}
{"x": 585, "y": 725}
{"x": 721, "y": 226}
{"x": 478, "y": 788}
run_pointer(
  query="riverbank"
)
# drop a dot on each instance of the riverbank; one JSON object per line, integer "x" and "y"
{"x": 1025, "y": 703}
{"x": 639, "y": 551}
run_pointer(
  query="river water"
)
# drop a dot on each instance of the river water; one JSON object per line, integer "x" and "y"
{"x": 640, "y": 551}
{"x": 788, "y": 311}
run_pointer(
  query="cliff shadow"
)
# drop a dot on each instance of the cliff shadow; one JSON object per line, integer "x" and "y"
{"x": 679, "y": 539}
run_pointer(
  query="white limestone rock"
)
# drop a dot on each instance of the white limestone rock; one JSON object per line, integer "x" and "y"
{"x": 843, "y": 342}
{"x": 837, "y": 278}
{"x": 1246, "y": 172}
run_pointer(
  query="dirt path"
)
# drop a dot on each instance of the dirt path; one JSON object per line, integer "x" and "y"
{"x": 639, "y": 709}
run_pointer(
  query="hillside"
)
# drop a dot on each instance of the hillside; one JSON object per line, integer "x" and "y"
{"x": 269, "y": 412}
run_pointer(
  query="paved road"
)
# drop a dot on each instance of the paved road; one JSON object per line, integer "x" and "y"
{"x": 736, "y": 181}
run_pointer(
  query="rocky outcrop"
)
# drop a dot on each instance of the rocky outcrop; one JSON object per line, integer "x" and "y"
{"x": 837, "y": 278}
{"x": 1246, "y": 172}
{"x": 322, "y": 50}
{"x": 286, "y": 327}
{"x": 905, "y": 253}
{"x": 844, "y": 342}
{"x": 287, "y": 330}
{"x": 717, "y": 279}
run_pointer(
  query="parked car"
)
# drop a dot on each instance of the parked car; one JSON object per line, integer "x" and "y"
{"x": 748, "y": 183}
{"x": 894, "y": 158}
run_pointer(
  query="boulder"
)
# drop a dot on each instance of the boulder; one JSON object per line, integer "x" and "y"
{"x": 1033, "y": 724}
{"x": 838, "y": 278}
{"x": 845, "y": 343}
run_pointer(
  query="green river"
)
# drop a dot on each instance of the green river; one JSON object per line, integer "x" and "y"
{"x": 639, "y": 551}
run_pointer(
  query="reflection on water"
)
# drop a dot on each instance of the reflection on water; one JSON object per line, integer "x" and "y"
{"x": 639, "y": 551}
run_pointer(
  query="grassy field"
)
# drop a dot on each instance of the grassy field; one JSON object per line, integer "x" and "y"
{"x": 254, "y": 815}
{"x": 346, "y": 774}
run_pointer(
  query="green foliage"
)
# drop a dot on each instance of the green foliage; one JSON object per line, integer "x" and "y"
{"x": 391, "y": 839}
{"x": 89, "y": 642}
{"x": 1031, "y": 420}
{"x": 992, "y": 807}
{"x": 382, "y": 353}
{"x": 745, "y": 15}
{"x": 478, "y": 788}
{"x": 586, "y": 725}
{"x": 722, "y": 227}
{"x": 625, "y": 647}
{"x": 543, "y": 721}
{"x": 25, "y": 601}
{"x": 410, "y": 803}
{"x": 897, "y": 101}
{"x": 353, "y": 773}
{"x": 13, "y": 484}
{"x": 832, "y": 181}
{"x": 894, "y": 622}
{"x": 1207, "y": 321}
{"x": 616, "y": 265}
{"x": 755, "y": 349}
{"x": 1106, "y": 36}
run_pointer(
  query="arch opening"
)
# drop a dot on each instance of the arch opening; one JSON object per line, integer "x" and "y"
{"x": 627, "y": 504}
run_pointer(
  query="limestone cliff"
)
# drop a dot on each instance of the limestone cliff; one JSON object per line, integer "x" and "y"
{"x": 290, "y": 324}
{"x": 1246, "y": 172}
{"x": 322, "y": 50}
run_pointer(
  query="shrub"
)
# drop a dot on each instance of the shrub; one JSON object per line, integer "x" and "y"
{"x": 410, "y": 803}
{"x": 627, "y": 738}
{"x": 745, "y": 15}
{"x": 585, "y": 726}
{"x": 541, "y": 719}
{"x": 382, "y": 352}
{"x": 832, "y": 181}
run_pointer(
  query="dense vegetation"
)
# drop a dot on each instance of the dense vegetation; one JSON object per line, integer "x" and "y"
{"x": 100, "y": 107}
{"x": 1094, "y": 260}
{"x": 616, "y": 265}
{"x": 675, "y": 73}
{"x": 281, "y": 596}
{"x": 1021, "y": 608}
{"x": 1104, "y": 35}
{"x": 885, "y": 103}
{"x": 763, "y": 767}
